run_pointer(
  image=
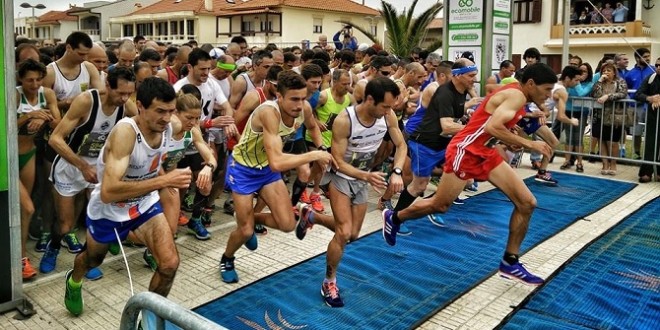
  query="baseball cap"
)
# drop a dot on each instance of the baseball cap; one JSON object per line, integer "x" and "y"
{"x": 215, "y": 53}
{"x": 362, "y": 47}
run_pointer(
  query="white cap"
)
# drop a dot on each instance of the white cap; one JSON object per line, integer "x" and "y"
{"x": 215, "y": 53}
{"x": 362, "y": 47}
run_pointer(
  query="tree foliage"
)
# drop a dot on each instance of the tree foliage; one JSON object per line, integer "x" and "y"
{"x": 403, "y": 31}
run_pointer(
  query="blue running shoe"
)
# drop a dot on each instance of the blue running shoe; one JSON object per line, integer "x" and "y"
{"x": 390, "y": 229}
{"x": 518, "y": 273}
{"x": 227, "y": 271}
{"x": 306, "y": 222}
{"x": 436, "y": 219}
{"x": 252, "y": 243}
{"x": 459, "y": 201}
{"x": 474, "y": 187}
{"x": 404, "y": 230}
{"x": 48, "y": 260}
{"x": 94, "y": 274}
{"x": 330, "y": 293}
{"x": 70, "y": 240}
{"x": 196, "y": 227}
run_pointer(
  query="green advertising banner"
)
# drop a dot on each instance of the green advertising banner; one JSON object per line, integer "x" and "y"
{"x": 4, "y": 159}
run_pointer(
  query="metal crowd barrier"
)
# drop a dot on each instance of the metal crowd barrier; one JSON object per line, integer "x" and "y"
{"x": 163, "y": 309}
{"x": 591, "y": 116}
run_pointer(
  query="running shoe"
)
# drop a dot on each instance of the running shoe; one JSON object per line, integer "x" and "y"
{"x": 404, "y": 230}
{"x": 459, "y": 201}
{"x": 94, "y": 274}
{"x": 73, "y": 299}
{"x": 304, "y": 198}
{"x": 390, "y": 229}
{"x": 330, "y": 293}
{"x": 48, "y": 260}
{"x": 196, "y": 227}
{"x": 306, "y": 222}
{"x": 474, "y": 187}
{"x": 28, "y": 270}
{"x": 385, "y": 204}
{"x": 252, "y": 243}
{"x": 150, "y": 260}
{"x": 206, "y": 216}
{"x": 114, "y": 248}
{"x": 42, "y": 242}
{"x": 546, "y": 178}
{"x": 227, "y": 271}
{"x": 317, "y": 205}
{"x": 519, "y": 273}
{"x": 260, "y": 229}
{"x": 70, "y": 240}
{"x": 183, "y": 219}
{"x": 436, "y": 219}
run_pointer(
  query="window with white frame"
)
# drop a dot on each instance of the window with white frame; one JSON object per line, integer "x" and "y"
{"x": 318, "y": 25}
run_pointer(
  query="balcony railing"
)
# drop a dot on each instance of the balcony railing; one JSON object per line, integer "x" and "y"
{"x": 92, "y": 32}
{"x": 629, "y": 29}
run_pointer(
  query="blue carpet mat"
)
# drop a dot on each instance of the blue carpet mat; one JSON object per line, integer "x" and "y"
{"x": 614, "y": 283}
{"x": 399, "y": 287}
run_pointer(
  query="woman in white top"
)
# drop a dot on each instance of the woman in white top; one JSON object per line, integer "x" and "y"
{"x": 37, "y": 109}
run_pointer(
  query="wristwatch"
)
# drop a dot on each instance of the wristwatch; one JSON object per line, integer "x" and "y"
{"x": 211, "y": 166}
{"x": 397, "y": 171}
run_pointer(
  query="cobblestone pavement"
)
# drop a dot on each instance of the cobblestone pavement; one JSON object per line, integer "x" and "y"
{"x": 198, "y": 279}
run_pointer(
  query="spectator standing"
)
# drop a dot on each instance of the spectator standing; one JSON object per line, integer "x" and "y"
{"x": 607, "y": 13}
{"x": 620, "y": 14}
{"x": 649, "y": 92}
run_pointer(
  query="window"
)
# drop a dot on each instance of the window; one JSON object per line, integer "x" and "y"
{"x": 266, "y": 26}
{"x": 191, "y": 27}
{"x": 145, "y": 29}
{"x": 174, "y": 28}
{"x": 246, "y": 26}
{"x": 128, "y": 30}
{"x": 527, "y": 11}
{"x": 374, "y": 29}
{"x": 318, "y": 25}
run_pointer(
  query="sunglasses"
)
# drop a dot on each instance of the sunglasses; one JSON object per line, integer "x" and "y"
{"x": 657, "y": 65}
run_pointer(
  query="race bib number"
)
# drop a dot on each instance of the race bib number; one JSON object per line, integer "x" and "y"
{"x": 92, "y": 144}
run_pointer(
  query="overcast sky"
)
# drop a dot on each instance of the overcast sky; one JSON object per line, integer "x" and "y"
{"x": 64, "y": 5}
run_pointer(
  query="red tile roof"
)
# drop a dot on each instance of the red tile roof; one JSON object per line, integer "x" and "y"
{"x": 168, "y": 6}
{"x": 221, "y": 7}
{"x": 343, "y": 6}
{"x": 436, "y": 23}
{"x": 55, "y": 16}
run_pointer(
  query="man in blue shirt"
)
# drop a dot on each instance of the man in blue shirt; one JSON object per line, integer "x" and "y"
{"x": 620, "y": 14}
{"x": 634, "y": 79}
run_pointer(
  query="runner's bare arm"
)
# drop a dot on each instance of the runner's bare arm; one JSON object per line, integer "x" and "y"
{"x": 77, "y": 113}
{"x": 269, "y": 120}
{"x": 51, "y": 103}
{"x": 311, "y": 126}
{"x": 237, "y": 92}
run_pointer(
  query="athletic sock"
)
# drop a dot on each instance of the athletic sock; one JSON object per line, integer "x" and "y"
{"x": 510, "y": 258}
{"x": 297, "y": 191}
{"x": 224, "y": 258}
{"x": 332, "y": 280}
{"x": 55, "y": 237}
{"x": 404, "y": 200}
{"x": 198, "y": 203}
{"x": 73, "y": 284}
{"x": 541, "y": 172}
{"x": 395, "y": 218}
{"x": 429, "y": 196}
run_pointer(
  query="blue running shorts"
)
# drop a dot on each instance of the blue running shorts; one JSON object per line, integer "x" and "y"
{"x": 423, "y": 159}
{"x": 103, "y": 230}
{"x": 245, "y": 180}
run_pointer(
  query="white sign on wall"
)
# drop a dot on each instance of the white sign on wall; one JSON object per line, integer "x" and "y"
{"x": 466, "y": 11}
{"x": 501, "y": 50}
